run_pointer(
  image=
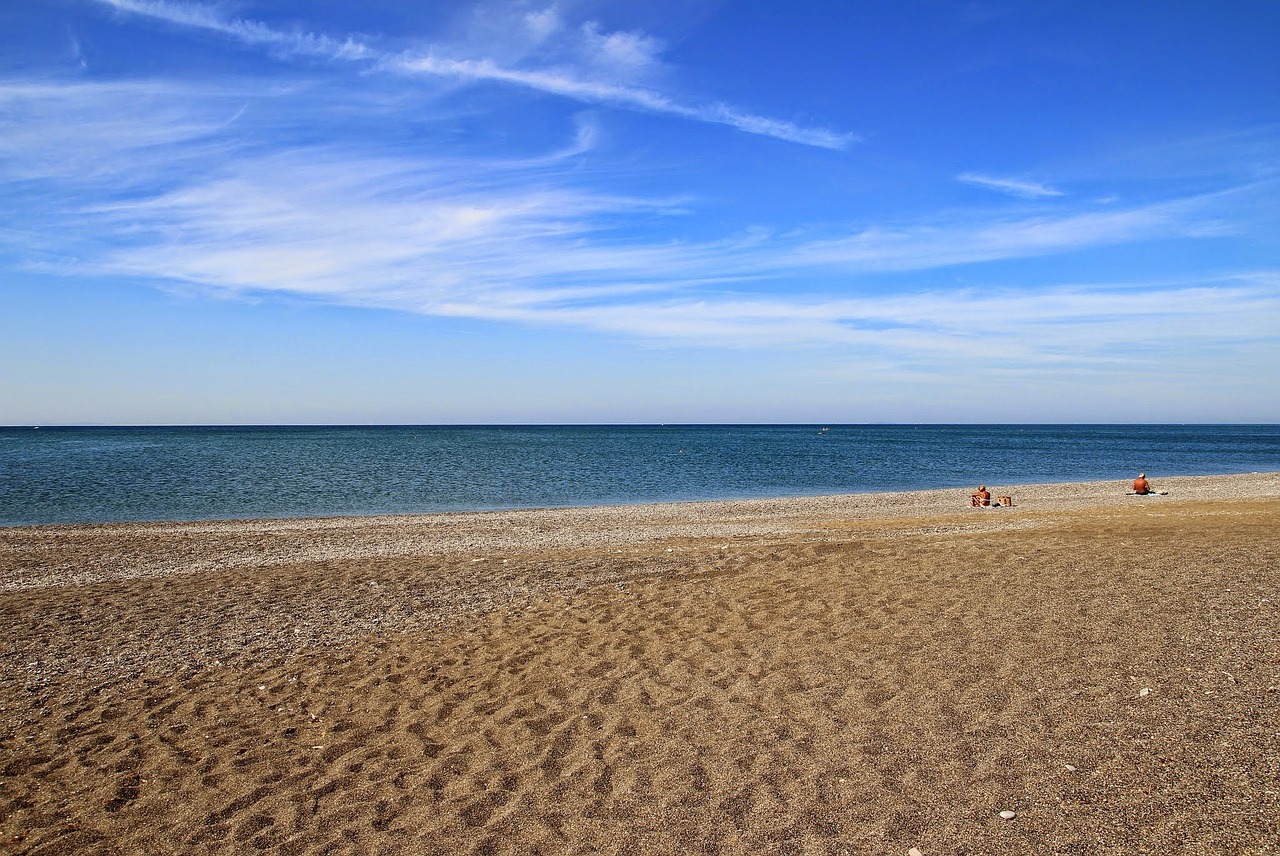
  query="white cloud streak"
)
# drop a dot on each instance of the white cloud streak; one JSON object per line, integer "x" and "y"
{"x": 121, "y": 133}
{"x": 1011, "y": 186}
{"x": 1089, "y": 324}
{"x": 601, "y": 92}
{"x": 180, "y": 192}
{"x": 522, "y": 241}
{"x": 341, "y": 192}
{"x": 353, "y": 233}
{"x": 593, "y": 81}
{"x": 252, "y": 33}
{"x": 968, "y": 239}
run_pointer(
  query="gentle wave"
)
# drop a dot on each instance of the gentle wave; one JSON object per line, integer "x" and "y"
{"x": 86, "y": 475}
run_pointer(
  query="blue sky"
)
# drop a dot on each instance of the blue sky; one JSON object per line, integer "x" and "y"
{"x": 388, "y": 212}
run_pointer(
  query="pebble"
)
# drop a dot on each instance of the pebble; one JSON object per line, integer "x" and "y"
{"x": 1008, "y": 815}
{"x": 1144, "y": 692}
{"x": 128, "y": 552}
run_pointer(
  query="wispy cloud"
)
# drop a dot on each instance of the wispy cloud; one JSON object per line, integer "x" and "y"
{"x": 528, "y": 239}
{"x": 595, "y": 64}
{"x": 1087, "y": 325}
{"x": 249, "y": 32}
{"x": 1012, "y": 186}
{"x": 191, "y": 184}
{"x": 602, "y": 92}
{"x": 374, "y": 234}
{"x": 968, "y": 238}
{"x": 119, "y": 133}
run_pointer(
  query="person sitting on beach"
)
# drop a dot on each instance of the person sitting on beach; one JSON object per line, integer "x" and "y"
{"x": 1141, "y": 486}
{"x": 981, "y": 497}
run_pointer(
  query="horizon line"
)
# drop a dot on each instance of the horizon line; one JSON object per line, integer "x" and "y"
{"x": 676, "y": 424}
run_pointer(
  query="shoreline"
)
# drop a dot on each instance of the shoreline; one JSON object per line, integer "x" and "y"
{"x": 1103, "y": 485}
{"x": 862, "y": 673}
{"x": 59, "y": 554}
{"x": 1198, "y": 484}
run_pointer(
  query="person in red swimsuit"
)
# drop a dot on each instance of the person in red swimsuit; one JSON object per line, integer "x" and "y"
{"x": 980, "y": 497}
{"x": 1141, "y": 486}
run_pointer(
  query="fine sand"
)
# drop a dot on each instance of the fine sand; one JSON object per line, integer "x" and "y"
{"x": 852, "y": 674}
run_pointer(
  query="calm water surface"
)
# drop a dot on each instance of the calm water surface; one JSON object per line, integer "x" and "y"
{"x": 62, "y": 475}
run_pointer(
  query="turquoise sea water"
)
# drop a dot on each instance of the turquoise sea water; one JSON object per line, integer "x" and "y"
{"x": 61, "y": 475}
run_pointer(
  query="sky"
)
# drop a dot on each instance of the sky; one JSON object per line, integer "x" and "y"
{"x": 252, "y": 212}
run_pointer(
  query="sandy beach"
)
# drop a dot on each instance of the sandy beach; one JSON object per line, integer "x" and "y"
{"x": 879, "y": 674}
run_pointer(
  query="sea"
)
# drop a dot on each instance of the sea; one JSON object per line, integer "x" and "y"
{"x": 118, "y": 474}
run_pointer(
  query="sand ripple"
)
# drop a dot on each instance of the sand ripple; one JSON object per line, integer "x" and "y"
{"x": 820, "y": 676}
